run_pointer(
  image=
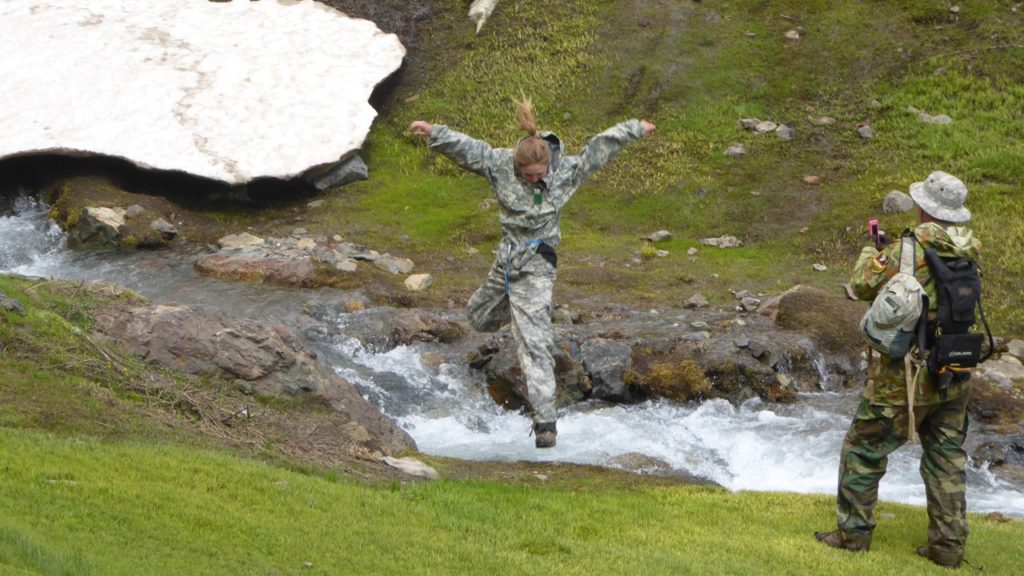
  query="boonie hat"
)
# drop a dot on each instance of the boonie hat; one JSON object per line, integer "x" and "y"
{"x": 942, "y": 196}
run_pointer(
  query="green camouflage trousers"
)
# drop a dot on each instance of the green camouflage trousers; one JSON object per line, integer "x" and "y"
{"x": 528, "y": 307}
{"x": 877, "y": 431}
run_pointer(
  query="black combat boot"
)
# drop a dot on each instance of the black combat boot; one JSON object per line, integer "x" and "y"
{"x": 839, "y": 539}
{"x": 942, "y": 558}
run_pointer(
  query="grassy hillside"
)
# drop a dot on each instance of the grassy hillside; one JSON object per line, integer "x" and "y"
{"x": 695, "y": 69}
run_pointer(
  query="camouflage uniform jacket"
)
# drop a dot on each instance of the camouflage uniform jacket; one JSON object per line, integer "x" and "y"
{"x": 531, "y": 213}
{"x": 871, "y": 272}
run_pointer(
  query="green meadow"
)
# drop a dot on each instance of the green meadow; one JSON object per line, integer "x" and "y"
{"x": 77, "y": 506}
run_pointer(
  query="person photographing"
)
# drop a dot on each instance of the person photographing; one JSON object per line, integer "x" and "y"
{"x": 913, "y": 390}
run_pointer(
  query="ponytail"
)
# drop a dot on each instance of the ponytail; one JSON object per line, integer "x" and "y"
{"x": 532, "y": 149}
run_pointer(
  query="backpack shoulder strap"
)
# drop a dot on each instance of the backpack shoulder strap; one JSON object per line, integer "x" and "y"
{"x": 907, "y": 260}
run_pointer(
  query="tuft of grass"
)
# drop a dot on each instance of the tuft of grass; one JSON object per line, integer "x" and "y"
{"x": 23, "y": 555}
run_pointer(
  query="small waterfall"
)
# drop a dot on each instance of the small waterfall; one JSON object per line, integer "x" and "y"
{"x": 29, "y": 238}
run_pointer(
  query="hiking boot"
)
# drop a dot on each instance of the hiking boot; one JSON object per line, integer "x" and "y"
{"x": 944, "y": 559}
{"x": 838, "y": 539}
{"x": 545, "y": 432}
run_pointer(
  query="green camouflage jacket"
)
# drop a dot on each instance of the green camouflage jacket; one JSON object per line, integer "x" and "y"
{"x": 531, "y": 213}
{"x": 871, "y": 272}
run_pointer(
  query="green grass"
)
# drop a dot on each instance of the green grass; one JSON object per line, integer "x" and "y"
{"x": 55, "y": 376}
{"x": 695, "y": 69}
{"x": 74, "y": 505}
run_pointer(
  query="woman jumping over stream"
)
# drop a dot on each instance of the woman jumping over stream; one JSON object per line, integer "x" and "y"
{"x": 532, "y": 182}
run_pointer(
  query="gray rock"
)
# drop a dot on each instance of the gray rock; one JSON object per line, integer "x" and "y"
{"x": 254, "y": 263}
{"x": 239, "y": 240}
{"x": 11, "y": 305}
{"x": 166, "y": 230}
{"x": 736, "y": 151}
{"x": 785, "y": 132}
{"x": 1004, "y": 371}
{"x": 262, "y": 358}
{"x": 659, "y": 236}
{"x": 866, "y": 132}
{"x": 345, "y": 172}
{"x": 896, "y": 202}
{"x": 757, "y": 349}
{"x": 417, "y": 326}
{"x": 606, "y": 361}
{"x": 99, "y": 227}
{"x": 394, "y": 265}
{"x": 941, "y": 119}
{"x": 1016, "y": 348}
{"x": 696, "y": 301}
{"x": 722, "y": 242}
{"x": 412, "y": 467}
{"x": 561, "y": 315}
{"x": 346, "y": 265}
{"x": 749, "y": 123}
{"x": 418, "y": 282}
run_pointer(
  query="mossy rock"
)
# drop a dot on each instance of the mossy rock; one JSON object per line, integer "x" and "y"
{"x": 830, "y": 319}
{"x": 667, "y": 375}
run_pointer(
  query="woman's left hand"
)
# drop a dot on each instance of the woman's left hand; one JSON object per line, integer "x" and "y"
{"x": 648, "y": 127}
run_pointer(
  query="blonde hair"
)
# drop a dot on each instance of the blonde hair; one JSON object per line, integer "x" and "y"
{"x": 533, "y": 149}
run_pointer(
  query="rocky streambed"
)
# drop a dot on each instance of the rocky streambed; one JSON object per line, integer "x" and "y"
{"x": 754, "y": 395}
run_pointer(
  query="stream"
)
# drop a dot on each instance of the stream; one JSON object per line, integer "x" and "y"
{"x": 756, "y": 446}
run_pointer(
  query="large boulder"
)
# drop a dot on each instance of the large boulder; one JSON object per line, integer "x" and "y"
{"x": 231, "y": 91}
{"x": 258, "y": 358}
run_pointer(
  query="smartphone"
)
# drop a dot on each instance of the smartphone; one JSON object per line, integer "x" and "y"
{"x": 873, "y": 229}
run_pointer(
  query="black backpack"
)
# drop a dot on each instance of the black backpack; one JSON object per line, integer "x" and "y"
{"x": 948, "y": 344}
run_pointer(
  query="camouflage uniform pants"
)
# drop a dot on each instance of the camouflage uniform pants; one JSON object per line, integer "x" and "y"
{"x": 528, "y": 307}
{"x": 877, "y": 431}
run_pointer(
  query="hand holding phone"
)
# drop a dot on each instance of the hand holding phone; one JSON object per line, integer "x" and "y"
{"x": 873, "y": 232}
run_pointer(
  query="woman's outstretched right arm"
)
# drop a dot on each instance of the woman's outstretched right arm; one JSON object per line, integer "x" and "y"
{"x": 470, "y": 154}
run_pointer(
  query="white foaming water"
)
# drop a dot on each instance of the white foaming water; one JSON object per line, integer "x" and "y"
{"x": 757, "y": 446}
{"x": 29, "y": 239}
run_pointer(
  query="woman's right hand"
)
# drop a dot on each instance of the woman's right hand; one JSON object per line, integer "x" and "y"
{"x": 421, "y": 128}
